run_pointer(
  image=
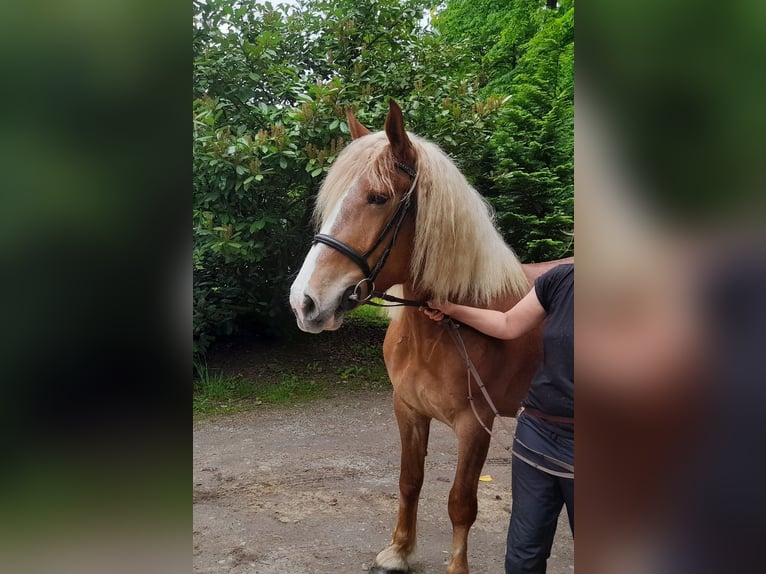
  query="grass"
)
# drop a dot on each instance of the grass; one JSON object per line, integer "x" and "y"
{"x": 289, "y": 389}
{"x": 216, "y": 393}
{"x": 219, "y": 394}
{"x": 370, "y": 315}
{"x": 286, "y": 376}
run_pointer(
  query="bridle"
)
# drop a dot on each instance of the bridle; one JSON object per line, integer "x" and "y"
{"x": 390, "y": 229}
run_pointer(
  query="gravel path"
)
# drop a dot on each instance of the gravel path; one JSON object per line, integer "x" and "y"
{"x": 312, "y": 488}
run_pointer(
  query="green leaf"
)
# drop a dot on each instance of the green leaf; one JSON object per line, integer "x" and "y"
{"x": 257, "y": 225}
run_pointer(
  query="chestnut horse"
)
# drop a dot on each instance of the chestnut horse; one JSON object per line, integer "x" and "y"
{"x": 395, "y": 211}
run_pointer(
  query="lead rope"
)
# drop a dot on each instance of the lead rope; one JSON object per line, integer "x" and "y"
{"x": 452, "y": 327}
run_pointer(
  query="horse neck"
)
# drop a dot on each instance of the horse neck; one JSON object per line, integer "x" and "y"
{"x": 502, "y": 303}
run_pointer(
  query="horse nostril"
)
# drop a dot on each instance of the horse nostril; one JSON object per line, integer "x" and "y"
{"x": 309, "y": 306}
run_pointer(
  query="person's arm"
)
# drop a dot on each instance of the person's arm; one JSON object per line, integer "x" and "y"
{"x": 519, "y": 319}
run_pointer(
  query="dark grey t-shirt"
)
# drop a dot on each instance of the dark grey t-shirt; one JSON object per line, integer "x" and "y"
{"x": 552, "y": 388}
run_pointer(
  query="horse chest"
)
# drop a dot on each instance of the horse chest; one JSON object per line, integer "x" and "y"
{"x": 426, "y": 373}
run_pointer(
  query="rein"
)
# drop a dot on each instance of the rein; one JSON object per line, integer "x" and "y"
{"x": 452, "y": 327}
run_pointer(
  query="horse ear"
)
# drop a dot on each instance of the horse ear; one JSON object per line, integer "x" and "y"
{"x": 357, "y": 129}
{"x": 397, "y": 136}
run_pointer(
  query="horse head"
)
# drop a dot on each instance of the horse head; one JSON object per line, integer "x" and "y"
{"x": 365, "y": 214}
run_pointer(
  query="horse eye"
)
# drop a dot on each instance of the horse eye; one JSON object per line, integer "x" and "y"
{"x": 377, "y": 199}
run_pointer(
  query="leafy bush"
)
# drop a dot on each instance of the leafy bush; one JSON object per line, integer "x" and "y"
{"x": 271, "y": 84}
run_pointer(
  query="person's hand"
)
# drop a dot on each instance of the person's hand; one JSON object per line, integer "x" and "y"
{"x": 433, "y": 314}
{"x": 436, "y": 311}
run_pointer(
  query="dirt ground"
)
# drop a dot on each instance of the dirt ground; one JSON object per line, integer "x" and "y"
{"x": 312, "y": 488}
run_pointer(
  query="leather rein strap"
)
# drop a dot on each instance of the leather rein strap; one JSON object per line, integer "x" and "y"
{"x": 567, "y": 469}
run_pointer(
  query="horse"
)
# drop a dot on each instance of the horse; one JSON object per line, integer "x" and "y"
{"x": 395, "y": 214}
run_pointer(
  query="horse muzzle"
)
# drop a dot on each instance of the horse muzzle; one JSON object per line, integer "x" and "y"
{"x": 314, "y": 317}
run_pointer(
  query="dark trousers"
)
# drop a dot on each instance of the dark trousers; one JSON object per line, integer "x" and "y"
{"x": 537, "y": 501}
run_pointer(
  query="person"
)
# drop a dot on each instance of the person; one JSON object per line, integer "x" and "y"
{"x": 542, "y": 471}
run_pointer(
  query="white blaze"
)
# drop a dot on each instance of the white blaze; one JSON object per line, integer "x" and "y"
{"x": 300, "y": 285}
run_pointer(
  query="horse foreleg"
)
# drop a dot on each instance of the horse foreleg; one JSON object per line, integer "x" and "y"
{"x": 473, "y": 445}
{"x": 413, "y": 430}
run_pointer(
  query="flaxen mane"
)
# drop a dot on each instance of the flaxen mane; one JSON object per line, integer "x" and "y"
{"x": 458, "y": 253}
